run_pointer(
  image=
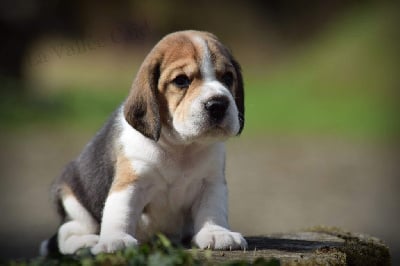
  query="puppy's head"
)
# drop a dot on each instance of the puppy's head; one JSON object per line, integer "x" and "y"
{"x": 188, "y": 88}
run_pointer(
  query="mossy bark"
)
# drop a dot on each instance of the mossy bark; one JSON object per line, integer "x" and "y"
{"x": 316, "y": 246}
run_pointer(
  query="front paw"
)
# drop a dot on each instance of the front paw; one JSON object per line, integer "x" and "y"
{"x": 111, "y": 244}
{"x": 217, "y": 237}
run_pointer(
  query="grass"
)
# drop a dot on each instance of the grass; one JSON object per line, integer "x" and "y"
{"x": 159, "y": 252}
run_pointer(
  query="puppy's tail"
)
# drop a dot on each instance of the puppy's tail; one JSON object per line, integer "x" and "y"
{"x": 49, "y": 247}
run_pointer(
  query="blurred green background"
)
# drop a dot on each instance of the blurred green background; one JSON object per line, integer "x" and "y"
{"x": 321, "y": 80}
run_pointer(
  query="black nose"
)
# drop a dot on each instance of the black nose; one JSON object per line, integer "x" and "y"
{"x": 217, "y": 107}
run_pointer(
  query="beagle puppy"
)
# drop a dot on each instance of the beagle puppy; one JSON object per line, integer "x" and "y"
{"x": 157, "y": 165}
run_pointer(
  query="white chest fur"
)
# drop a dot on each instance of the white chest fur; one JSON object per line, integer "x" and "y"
{"x": 170, "y": 180}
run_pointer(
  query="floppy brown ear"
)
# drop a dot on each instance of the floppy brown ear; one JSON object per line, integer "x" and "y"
{"x": 238, "y": 93}
{"x": 141, "y": 107}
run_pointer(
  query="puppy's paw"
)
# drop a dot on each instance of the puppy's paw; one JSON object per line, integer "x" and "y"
{"x": 217, "y": 237}
{"x": 114, "y": 243}
{"x": 76, "y": 242}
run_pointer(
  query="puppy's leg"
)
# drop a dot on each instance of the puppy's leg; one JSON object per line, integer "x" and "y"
{"x": 122, "y": 209}
{"x": 80, "y": 231}
{"x": 211, "y": 219}
{"x": 120, "y": 215}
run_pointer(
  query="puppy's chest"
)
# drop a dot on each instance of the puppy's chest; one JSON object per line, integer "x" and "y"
{"x": 173, "y": 178}
{"x": 180, "y": 171}
{"x": 177, "y": 179}
{"x": 180, "y": 181}
{"x": 177, "y": 197}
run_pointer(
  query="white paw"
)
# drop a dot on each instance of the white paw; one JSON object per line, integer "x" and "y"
{"x": 217, "y": 237}
{"x": 76, "y": 242}
{"x": 114, "y": 243}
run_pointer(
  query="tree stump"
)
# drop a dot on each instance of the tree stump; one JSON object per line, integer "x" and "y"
{"x": 317, "y": 246}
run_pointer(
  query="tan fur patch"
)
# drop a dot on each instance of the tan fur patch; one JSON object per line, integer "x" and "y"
{"x": 180, "y": 56}
{"x": 191, "y": 94}
{"x": 66, "y": 191}
{"x": 124, "y": 174}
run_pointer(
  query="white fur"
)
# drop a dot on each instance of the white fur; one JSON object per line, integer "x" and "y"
{"x": 80, "y": 231}
{"x": 211, "y": 219}
{"x": 121, "y": 212}
{"x": 206, "y": 68}
{"x": 217, "y": 237}
{"x": 177, "y": 183}
{"x": 171, "y": 181}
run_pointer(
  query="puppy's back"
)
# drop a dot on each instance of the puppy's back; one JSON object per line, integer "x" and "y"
{"x": 90, "y": 175}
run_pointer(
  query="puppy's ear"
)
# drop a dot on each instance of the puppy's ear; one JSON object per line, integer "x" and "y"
{"x": 141, "y": 107}
{"x": 238, "y": 93}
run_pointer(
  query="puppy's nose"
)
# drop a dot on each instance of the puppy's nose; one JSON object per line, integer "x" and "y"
{"x": 217, "y": 107}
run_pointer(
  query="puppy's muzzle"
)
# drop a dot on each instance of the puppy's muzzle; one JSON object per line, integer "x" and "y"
{"x": 216, "y": 108}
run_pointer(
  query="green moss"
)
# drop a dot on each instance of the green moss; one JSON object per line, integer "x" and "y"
{"x": 359, "y": 249}
{"x": 365, "y": 251}
{"x": 159, "y": 252}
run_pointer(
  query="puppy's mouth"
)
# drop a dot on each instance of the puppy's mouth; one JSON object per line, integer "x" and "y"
{"x": 215, "y": 122}
{"x": 212, "y": 120}
{"x": 216, "y": 128}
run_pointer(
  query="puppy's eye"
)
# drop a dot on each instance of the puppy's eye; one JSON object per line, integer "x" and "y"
{"x": 227, "y": 79}
{"x": 182, "y": 81}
